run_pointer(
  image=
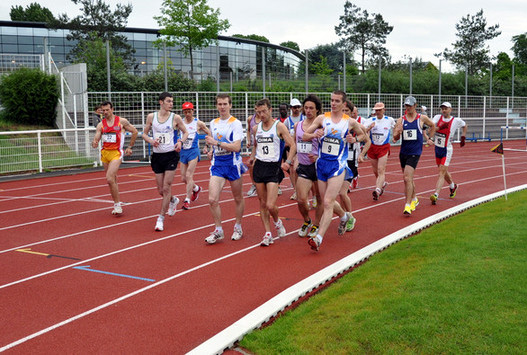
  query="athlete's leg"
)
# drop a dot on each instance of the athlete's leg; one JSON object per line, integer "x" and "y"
{"x": 216, "y": 184}
{"x": 164, "y": 187}
{"x": 111, "y": 170}
{"x": 329, "y": 191}
{"x": 381, "y": 171}
{"x": 409, "y": 186}
{"x": 303, "y": 186}
{"x": 189, "y": 176}
{"x": 237, "y": 193}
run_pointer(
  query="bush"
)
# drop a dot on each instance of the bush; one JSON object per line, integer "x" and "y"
{"x": 29, "y": 96}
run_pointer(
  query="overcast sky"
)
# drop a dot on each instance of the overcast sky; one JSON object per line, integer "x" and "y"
{"x": 421, "y": 28}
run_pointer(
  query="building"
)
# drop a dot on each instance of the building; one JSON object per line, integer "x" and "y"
{"x": 233, "y": 58}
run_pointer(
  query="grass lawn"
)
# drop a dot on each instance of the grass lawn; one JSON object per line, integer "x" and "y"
{"x": 457, "y": 287}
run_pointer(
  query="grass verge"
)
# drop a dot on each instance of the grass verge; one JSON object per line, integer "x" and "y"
{"x": 459, "y": 286}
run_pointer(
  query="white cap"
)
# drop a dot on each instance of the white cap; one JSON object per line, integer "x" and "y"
{"x": 295, "y": 102}
{"x": 446, "y": 104}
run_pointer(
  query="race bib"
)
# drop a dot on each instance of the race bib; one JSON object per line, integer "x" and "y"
{"x": 109, "y": 137}
{"x": 162, "y": 138}
{"x": 265, "y": 147}
{"x": 304, "y": 147}
{"x": 377, "y": 138}
{"x": 220, "y": 151}
{"x": 440, "y": 140}
{"x": 188, "y": 143}
{"x": 330, "y": 146}
{"x": 410, "y": 134}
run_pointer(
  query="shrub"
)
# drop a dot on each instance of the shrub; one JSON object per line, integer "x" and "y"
{"x": 29, "y": 96}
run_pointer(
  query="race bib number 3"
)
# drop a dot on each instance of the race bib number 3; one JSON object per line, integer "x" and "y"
{"x": 162, "y": 138}
{"x": 410, "y": 134}
{"x": 330, "y": 146}
{"x": 109, "y": 137}
{"x": 440, "y": 140}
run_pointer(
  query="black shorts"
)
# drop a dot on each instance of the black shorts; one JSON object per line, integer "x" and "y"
{"x": 308, "y": 172}
{"x": 162, "y": 162}
{"x": 264, "y": 172}
{"x": 410, "y": 160}
{"x": 352, "y": 164}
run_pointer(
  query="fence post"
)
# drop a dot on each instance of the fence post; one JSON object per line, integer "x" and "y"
{"x": 484, "y": 113}
{"x": 39, "y": 143}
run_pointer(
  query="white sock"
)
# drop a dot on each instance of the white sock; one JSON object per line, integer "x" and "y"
{"x": 238, "y": 226}
{"x": 319, "y": 237}
{"x": 278, "y": 223}
{"x": 219, "y": 229}
{"x": 452, "y": 185}
{"x": 161, "y": 217}
{"x": 187, "y": 199}
{"x": 196, "y": 188}
{"x": 344, "y": 218}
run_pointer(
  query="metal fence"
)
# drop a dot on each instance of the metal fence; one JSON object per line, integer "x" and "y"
{"x": 38, "y": 151}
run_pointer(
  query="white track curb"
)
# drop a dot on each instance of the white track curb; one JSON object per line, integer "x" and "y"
{"x": 235, "y": 332}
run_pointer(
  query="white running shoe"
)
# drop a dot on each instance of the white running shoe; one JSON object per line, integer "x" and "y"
{"x": 314, "y": 202}
{"x": 342, "y": 224}
{"x": 214, "y": 237}
{"x": 306, "y": 227}
{"x": 117, "y": 209}
{"x": 237, "y": 234}
{"x": 267, "y": 240}
{"x": 280, "y": 229}
{"x": 173, "y": 206}
{"x": 252, "y": 191}
{"x": 159, "y": 224}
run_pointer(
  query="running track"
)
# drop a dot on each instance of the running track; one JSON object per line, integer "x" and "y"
{"x": 76, "y": 279}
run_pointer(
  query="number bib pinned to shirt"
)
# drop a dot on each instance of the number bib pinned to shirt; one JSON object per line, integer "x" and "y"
{"x": 330, "y": 146}
{"x": 410, "y": 134}
{"x": 162, "y": 138}
{"x": 440, "y": 140}
{"x": 109, "y": 137}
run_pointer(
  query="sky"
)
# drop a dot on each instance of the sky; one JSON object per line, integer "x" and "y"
{"x": 421, "y": 28}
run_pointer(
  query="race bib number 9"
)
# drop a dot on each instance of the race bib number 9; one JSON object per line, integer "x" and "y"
{"x": 109, "y": 137}
{"x": 440, "y": 140}
{"x": 410, "y": 134}
{"x": 304, "y": 147}
{"x": 162, "y": 138}
{"x": 330, "y": 146}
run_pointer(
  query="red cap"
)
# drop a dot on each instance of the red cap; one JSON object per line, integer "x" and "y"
{"x": 188, "y": 106}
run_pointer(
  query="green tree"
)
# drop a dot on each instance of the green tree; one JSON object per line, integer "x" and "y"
{"x": 190, "y": 24}
{"x": 363, "y": 32}
{"x": 97, "y": 22}
{"x": 520, "y": 48}
{"x": 32, "y": 13}
{"x": 253, "y": 37}
{"x": 470, "y": 49}
{"x": 291, "y": 44}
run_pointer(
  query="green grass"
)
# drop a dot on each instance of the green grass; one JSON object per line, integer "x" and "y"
{"x": 458, "y": 287}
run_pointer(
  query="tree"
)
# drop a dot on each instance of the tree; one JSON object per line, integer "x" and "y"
{"x": 520, "y": 48}
{"x": 253, "y": 37}
{"x": 291, "y": 44}
{"x": 191, "y": 25}
{"x": 97, "y": 22}
{"x": 470, "y": 49}
{"x": 363, "y": 31}
{"x": 32, "y": 13}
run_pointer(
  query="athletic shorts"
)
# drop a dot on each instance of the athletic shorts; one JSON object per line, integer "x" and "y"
{"x": 410, "y": 160}
{"x": 107, "y": 155}
{"x": 162, "y": 162}
{"x": 187, "y": 155}
{"x": 308, "y": 172}
{"x": 378, "y": 151}
{"x": 328, "y": 169}
{"x": 352, "y": 164}
{"x": 228, "y": 172}
{"x": 444, "y": 159}
{"x": 264, "y": 172}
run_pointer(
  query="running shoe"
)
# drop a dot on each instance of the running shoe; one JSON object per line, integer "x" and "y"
{"x": 267, "y": 240}
{"x": 355, "y": 182}
{"x": 117, "y": 209}
{"x": 293, "y": 196}
{"x": 414, "y": 204}
{"x": 305, "y": 229}
{"x": 453, "y": 191}
{"x": 252, "y": 191}
{"x": 159, "y": 224}
{"x": 433, "y": 198}
{"x": 314, "y": 202}
{"x": 172, "y": 206}
{"x": 237, "y": 234}
{"x": 313, "y": 231}
{"x": 407, "y": 210}
{"x": 186, "y": 205}
{"x": 314, "y": 243}
{"x": 214, "y": 237}
{"x": 195, "y": 194}
{"x": 342, "y": 224}
{"x": 280, "y": 229}
{"x": 350, "y": 224}
{"x": 375, "y": 195}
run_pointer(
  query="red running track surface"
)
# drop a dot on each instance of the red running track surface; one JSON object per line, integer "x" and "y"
{"x": 169, "y": 291}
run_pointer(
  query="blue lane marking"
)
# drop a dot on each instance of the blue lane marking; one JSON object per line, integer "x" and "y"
{"x": 87, "y": 268}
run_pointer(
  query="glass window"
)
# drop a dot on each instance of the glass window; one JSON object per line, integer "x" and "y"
{"x": 9, "y": 39}
{"x": 25, "y": 31}
{"x": 9, "y": 48}
{"x": 25, "y": 40}
{"x": 9, "y": 31}
{"x": 26, "y": 48}
{"x": 54, "y": 41}
{"x": 42, "y": 32}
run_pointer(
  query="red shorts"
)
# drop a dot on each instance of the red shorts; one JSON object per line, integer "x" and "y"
{"x": 378, "y": 151}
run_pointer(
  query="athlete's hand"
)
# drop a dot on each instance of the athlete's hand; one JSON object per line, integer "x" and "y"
{"x": 350, "y": 139}
{"x": 462, "y": 142}
{"x": 178, "y": 146}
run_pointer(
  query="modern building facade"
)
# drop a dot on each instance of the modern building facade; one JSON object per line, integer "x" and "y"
{"x": 235, "y": 58}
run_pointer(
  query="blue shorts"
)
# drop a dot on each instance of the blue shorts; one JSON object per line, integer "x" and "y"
{"x": 228, "y": 172}
{"x": 186, "y": 155}
{"x": 329, "y": 169}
